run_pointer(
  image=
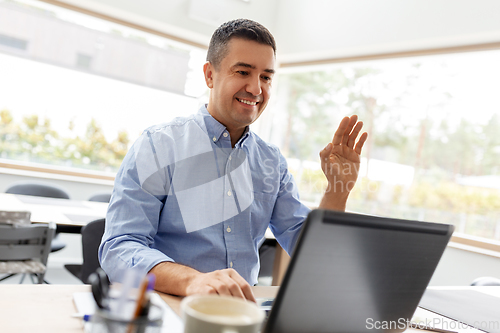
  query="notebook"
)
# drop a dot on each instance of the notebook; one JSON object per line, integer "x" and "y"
{"x": 349, "y": 272}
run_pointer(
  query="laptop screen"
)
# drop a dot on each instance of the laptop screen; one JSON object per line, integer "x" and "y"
{"x": 354, "y": 273}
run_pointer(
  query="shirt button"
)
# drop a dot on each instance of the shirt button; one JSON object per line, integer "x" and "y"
{"x": 225, "y": 134}
{"x": 231, "y": 264}
{"x": 230, "y": 158}
{"x": 214, "y": 138}
{"x": 228, "y": 229}
{"x": 229, "y": 193}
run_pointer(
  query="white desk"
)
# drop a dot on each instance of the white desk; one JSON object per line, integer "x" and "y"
{"x": 61, "y": 211}
{"x": 49, "y": 308}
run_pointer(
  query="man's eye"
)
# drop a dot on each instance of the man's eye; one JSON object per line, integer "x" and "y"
{"x": 242, "y": 72}
{"x": 267, "y": 78}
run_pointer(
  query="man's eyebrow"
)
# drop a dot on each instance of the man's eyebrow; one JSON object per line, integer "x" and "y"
{"x": 244, "y": 64}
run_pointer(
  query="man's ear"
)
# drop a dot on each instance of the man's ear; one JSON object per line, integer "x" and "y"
{"x": 208, "y": 69}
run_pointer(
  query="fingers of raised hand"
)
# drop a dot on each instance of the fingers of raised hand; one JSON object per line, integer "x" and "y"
{"x": 360, "y": 143}
{"x": 354, "y": 134}
{"x": 339, "y": 134}
{"x": 350, "y": 125}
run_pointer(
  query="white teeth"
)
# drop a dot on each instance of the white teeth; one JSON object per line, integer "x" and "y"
{"x": 247, "y": 102}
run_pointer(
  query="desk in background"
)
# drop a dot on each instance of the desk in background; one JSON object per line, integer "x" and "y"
{"x": 63, "y": 212}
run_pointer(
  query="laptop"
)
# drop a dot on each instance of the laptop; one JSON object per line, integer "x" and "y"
{"x": 356, "y": 273}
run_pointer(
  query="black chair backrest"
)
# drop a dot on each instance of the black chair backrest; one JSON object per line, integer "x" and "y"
{"x": 91, "y": 239}
{"x": 38, "y": 189}
{"x": 101, "y": 197}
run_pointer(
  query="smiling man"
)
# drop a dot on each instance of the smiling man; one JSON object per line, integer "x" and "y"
{"x": 194, "y": 197}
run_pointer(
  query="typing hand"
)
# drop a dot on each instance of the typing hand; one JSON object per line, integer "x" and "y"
{"x": 223, "y": 282}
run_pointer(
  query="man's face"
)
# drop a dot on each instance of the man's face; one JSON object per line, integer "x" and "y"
{"x": 241, "y": 86}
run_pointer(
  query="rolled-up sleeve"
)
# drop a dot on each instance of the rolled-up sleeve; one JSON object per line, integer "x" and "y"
{"x": 133, "y": 215}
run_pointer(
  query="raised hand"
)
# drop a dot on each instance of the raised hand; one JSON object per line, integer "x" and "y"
{"x": 340, "y": 160}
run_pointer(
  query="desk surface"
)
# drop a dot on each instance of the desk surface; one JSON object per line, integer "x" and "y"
{"x": 49, "y": 308}
{"x": 60, "y": 211}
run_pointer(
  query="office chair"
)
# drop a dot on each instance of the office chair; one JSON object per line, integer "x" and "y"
{"x": 91, "y": 239}
{"x": 486, "y": 281}
{"x": 38, "y": 190}
{"x": 267, "y": 253}
{"x": 101, "y": 197}
{"x": 41, "y": 190}
{"x": 24, "y": 249}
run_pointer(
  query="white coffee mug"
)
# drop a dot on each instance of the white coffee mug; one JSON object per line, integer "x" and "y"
{"x": 220, "y": 314}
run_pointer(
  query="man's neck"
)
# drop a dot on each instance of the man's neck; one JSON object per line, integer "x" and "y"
{"x": 234, "y": 133}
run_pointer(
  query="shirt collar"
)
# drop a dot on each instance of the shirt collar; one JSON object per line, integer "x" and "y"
{"x": 215, "y": 129}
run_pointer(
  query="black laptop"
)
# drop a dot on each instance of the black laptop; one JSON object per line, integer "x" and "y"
{"x": 356, "y": 273}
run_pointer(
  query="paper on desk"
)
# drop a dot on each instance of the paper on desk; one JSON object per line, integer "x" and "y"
{"x": 423, "y": 318}
{"x": 85, "y": 304}
{"x": 171, "y": 321}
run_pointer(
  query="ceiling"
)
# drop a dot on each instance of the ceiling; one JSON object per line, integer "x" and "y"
{"x": 308, "y": 30}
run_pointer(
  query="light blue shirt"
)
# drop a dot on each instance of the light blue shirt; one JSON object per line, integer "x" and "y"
{"x": 183, "y": 194}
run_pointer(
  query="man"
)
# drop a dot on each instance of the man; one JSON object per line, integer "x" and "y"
{"x": 194, "y": 197}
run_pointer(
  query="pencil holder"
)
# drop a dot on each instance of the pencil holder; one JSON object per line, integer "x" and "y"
{"x": 104, "y": 321}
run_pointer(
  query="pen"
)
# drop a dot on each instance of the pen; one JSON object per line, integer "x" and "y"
{"x": 85, "y": 317}
{"x": 131, "y": 278}
{"x": 143, "y": 298}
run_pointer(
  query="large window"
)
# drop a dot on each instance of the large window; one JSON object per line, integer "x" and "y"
{"x": 77, "y": 91}
{"x": 433, "y": 152}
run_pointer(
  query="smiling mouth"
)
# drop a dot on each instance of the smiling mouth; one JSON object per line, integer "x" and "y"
{"x": 247, "y": 102}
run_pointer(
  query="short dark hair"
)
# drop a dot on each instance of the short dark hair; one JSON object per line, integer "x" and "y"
{"x": 240, "y": 28}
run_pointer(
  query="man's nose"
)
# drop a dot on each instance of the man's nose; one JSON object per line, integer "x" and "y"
{"x": 253, "y": 86}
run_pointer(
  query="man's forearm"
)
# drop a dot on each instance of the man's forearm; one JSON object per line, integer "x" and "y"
{"x": 176, "y": 279}
{"x": 173, "y": 278}
{"x": 334, "y": 200}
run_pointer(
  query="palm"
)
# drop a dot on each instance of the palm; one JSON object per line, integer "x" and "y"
{"x": 344, "y": 154}
{"x": 340, "y": 160}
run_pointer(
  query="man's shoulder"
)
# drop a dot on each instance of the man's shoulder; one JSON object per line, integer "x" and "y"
{"x": 264, "y": 145}
{"x": 174, "y": 124}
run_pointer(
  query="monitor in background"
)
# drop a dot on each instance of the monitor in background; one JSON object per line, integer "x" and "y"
{"x": 349, "y": 272}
